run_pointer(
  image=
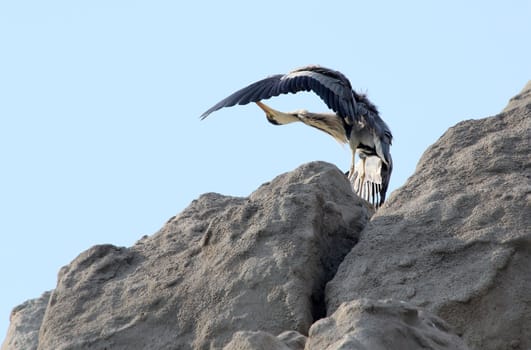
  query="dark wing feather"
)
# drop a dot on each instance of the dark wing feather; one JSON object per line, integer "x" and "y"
{"x": 331, "y": 86}
{"x": 266, "y": 87}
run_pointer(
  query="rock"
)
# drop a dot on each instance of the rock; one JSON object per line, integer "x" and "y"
{"x": 366, "y": 324}
{"x": 521, "y": 100}
{"x": 294, "y": 340}
{"x": 25, "y": 322}
{"x": 223, "y": 265}
{"x": 259, "y": 340}
{"x": 453, "y": 244}
{"x": 456, "y": 238}
{"x": 362, "y": 324}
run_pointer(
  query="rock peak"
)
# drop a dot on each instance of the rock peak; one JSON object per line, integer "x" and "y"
{"x": 523, "y": 99}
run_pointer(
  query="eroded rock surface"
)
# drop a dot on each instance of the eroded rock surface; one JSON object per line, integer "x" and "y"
{"x": 453, "y": 244}
{"x": 366, "y": 324}
{"x": 456, "y": 238}
{"x": 223, "y": 265}
{"x": 259, "y": 340}
{"x": 25, "y": 322}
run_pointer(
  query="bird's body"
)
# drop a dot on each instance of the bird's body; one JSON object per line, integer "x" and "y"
{"x": 356, "y": 121}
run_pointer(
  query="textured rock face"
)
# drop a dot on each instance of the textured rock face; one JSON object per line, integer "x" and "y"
{"x": 223, "y": 265}
{"x": 362, "y": 324}
{"x": 25, "y": 322}
{"x": 456, "y": 237}
{"x": 259, "y": 340}
{"x": 521, "y": 100}
{"x": 366, "y": 324}
{"x": 453, "y": 244}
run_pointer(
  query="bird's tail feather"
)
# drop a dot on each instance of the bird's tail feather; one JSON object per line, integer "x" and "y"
{"x": 371, "y": 182}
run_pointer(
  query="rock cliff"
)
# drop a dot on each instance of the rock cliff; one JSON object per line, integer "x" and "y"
{"x": 302, "y": 263}
{"x": 456, "y": 238}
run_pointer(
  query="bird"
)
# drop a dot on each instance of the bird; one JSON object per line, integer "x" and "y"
{"x": 355, "y": 121}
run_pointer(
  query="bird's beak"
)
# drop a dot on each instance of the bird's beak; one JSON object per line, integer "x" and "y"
{"x": 276, "y": 117}
{"x": 268, "y": 110}
{"x": 270, "y": 113}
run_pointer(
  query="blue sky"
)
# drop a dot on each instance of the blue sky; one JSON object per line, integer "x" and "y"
{"x": 100, "y": 140}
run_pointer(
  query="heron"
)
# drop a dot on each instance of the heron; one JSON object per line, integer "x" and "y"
{"x": 355, "y": 121}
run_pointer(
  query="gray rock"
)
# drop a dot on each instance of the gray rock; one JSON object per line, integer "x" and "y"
{"x": 361, "y": 325}
{"x": 234, "y": 272}
{"x": 25, "y": 322}
{"x": 366, "y": 324}
{"x": 294, "y": 340}
{"x": 223, "y": 265}
{"x": 456, "y": 238}
{"x": 258, "y": 340}
{"x": 521, "y": 100}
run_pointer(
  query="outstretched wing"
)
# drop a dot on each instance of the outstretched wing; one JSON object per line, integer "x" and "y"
{"x": 331, "y": 86}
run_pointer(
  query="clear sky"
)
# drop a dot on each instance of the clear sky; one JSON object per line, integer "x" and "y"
{"x": 100, "y": 140}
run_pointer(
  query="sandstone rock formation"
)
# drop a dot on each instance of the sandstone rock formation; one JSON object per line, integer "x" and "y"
{"x": 362, "y": 324}
{"x": 449, "y": 251}
{"x": 223, "y": 265}
{"x": 25, "y": 322}
{"x": 365, "y": 324}
{"x": 260, "y": 340}
{"x": 456, "y": 238}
